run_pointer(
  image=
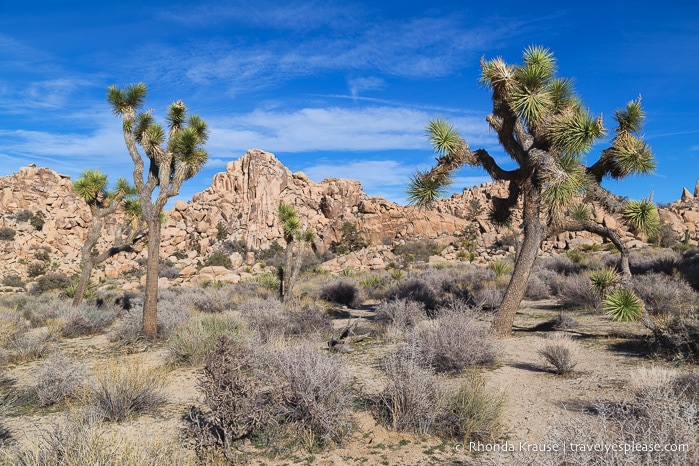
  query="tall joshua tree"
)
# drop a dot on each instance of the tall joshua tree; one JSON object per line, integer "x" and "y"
{"x": 173, "y": 157}
{"x": 545, "y": 129}
{"x": 91, "y": 187}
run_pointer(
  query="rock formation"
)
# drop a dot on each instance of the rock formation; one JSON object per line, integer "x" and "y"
{"x": 241, "y": 204}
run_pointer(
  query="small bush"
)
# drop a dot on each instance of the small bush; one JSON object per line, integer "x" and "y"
{"x": 470, "y": 411}
{"x": 315, "y": 393}
{"x": 211, "y": 300}
{"x": 265, "y": 316}
{"x": 622, "y": 305}
{"x": 86, "y": 320}
{"x": 537, "y": 288}
{"x": 124, "y": 388}
{"x": 401, "y": 314}
{"x": 193, "y": 341}
{"x": 341, "y": 291}
{"x": 454, "y": 341}
{"x": 416, "y": 250}
{"x": 218, "y": 259}
{"x": 576, "y": 292}
{"x": 559, "y": 351}
{"x": 36, "y": 269}
{"x": 604, "y": 279}
{"x": 238, "y": 393}
{"x": 417, "y": 289}
{"x": 24, "y": 215}
{"x": 501, "y": 268}
{"x": 13, "y": 280}
{"x": 50, "y": 282}
{"x": 410, "y": 396}
{"x": 59, "y": 378}
{"x": 26, "y": 346}
{"x": 664, "y": 295}
{"x": 307, "y": 321}
{"x": 7, "y": 234}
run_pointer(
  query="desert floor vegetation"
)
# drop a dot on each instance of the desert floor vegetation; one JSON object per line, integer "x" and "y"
{"x": 236, "y": 376}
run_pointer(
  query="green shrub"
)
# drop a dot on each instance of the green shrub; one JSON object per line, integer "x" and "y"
{"x": 501, "y": 268}
{"x": 13, "y": 281}
{"x": 622, "y": 305}
{"x": 559, "y": 351}
{"x": 36, "y": 269}
{"x": 341, "y": 291}
{"x": 218, "y": 259}
{"x": 7, "y": 234}
{"x": 124, "y": 388}
{"x": 51, "y": 282}
{"x": 193, "y": 341}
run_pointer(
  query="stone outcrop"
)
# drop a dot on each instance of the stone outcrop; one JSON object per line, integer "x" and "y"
{"x": 241, "y": 204}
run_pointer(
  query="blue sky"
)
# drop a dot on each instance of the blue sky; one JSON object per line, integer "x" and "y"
{"x": 334, "y": 88}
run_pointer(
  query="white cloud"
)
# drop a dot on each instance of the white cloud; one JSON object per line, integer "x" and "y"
{"x": 334, "y": 129}
{"x": 370, "y": 83}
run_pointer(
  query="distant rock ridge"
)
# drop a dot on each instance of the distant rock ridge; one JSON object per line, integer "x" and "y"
{"x": 241, "y": 204}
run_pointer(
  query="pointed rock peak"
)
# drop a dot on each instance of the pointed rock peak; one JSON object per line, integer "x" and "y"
{"x": 686, "y": 195}
{"x": 696, "y": 189}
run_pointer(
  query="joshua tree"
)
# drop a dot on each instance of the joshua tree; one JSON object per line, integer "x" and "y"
{"x": 295, "y": 239}
{"x": 91, "y": 187}
{"x": 546, "y": 130}
{"x": 173, "y": 157}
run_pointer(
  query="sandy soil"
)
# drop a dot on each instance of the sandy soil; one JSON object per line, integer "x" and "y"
{"x": 535, "y": 397}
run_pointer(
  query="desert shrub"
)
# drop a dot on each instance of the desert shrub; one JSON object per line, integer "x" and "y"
{"x": 218, "y": 259}
{"x": 24, "y": 215}
{"x": 239, "y": 395}
{"x": 169, "y": 272}
{"x": 454, "y": 341}
{"x": 470, "y": 411}
{"x": 129, "y": 328}
{"x": 82, "y": 438}
{"x": 315, "y": 393}
{"x": 576, "y": 292}
{"x": 265, "y": 316}
{"x": 341, "y": 291}
{"x": 211, "y": 300}
{"x": 307, "y": 320}
{"x": 665, "y": 295}
{"x": 418, "y": 290}
{"x": 653, "y": 413}
{"x": 36, "y": 269}
{"x": 681, "y": 339}
{"x": 401, "y": 314}
{"x": 86, "y": 320}
{"x": 50, "y": 282}
{"x": 561, "y": 264}
{"x": 25, "y": 346}
{"x": 7, "y": 234}
{"x": 689, "y": 267}
{"x": 375, "y": 284}
{"x": 124, "y": 388}
{"x": 194, "y": 340}
{"x": 559, "y": 351}
{"x": 352, "y": 240}
{"x": 13, "y": 281}
{"x": 537, "y": 288}
{"x": 38, "y": 220}
{"x": 408, "y": 400}
{"x": 416, "y": 250}
{"x": 268, "y": 280}
{"x": 59, "y": 378}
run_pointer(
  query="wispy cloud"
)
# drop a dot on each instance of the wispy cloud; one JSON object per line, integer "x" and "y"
{"x": 369, "y": 83}
{"x": 334, "y": 128}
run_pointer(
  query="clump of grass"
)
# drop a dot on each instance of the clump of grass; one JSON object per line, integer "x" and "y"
{"x": 559, "y": 351}
{"x": 59, "y": 378}
{"x": 193, "y": 341}
{"x": 470, "y": 411}
{"x": 124, "y": 388}
{"x": 400, "y": 314}
{"x": 501, "y": 268}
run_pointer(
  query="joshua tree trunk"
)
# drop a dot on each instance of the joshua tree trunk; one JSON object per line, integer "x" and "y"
{"x": 150, "y": 299}
{"x": 534, "y": 234}
{"x": 85, "y": 274}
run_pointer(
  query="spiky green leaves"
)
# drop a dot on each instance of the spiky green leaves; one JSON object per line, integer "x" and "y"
{"x": 574, "y": 131}
{"x": 622, "y": 305}
{"x": 424, "y": 188}
{"x": 91, "y": 186}
{"x": 581, "y": 212}
{"x": 631, "y": 156}
{"x": 643, "y": 216}
{"x": 498, "y": 76}
{"x": 630, "y": 119}
{"x": 123, "y": 100}
{"x": 443, "y": 136}
{"x": 604, "y": 279}
{"x": 562, "y": 183}
{"x": 290, "y": 221}
{"x": 531, "y": 95}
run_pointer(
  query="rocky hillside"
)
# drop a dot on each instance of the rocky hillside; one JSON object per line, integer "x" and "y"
{"x": 44, "y": 222}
